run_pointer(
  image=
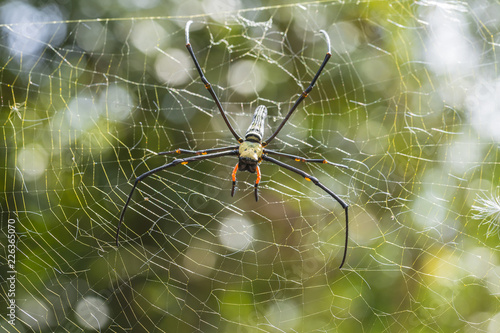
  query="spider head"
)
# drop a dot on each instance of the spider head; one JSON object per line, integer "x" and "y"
{"x": 250, "y": 154}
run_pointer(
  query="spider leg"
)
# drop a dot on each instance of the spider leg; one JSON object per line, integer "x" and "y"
{"x": 257, "y": 181}
{"x": 163, "y": 167}
{"x": 233, "y": 175}
{"x": 302, "y": 159}
{"x": 208, "y": 85}
{"x": 197, "y": 152}
{"x": 304, "y": 93}
{"x": 324, "y": 188}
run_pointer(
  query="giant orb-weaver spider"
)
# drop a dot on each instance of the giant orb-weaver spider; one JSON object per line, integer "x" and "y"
{"x": 251, "y": 150}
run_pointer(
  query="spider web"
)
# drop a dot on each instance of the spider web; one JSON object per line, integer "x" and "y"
{"x": 408, "y": 102}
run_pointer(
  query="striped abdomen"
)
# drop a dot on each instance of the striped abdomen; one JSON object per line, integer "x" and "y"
{"x": 255, "y": 131}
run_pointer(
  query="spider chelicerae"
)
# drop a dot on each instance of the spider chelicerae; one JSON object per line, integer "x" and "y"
{"x": 251, "y": 150}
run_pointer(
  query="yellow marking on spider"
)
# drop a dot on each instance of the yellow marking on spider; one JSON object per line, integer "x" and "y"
{"x": 297, "y": 159}
{"x": 184, "y": 162}
{"x": 307, "y": 178}
{"x": 204, "y": 153}
{"x": 178, "y": 151}
{"x": 325, "y": 161}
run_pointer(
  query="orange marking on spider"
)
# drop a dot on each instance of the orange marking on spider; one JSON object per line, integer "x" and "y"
{"x": 234, "y": 172}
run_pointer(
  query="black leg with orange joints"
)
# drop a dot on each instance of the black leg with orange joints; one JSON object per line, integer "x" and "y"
{"x": 316, "y": 182}
{"x": 182, "y": 161}
{"x": 208, "y": 86}
{"x": 303, "y": 159}
{"x": 197, "y": 152}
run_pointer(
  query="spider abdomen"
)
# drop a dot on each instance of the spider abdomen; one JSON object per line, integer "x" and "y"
{"x": 255, "y": 131}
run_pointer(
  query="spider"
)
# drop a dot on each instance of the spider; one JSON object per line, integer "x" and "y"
{"x": 251, "y": 150}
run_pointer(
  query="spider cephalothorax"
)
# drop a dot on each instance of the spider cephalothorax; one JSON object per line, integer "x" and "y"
{"x": 250, "y": 155}
{"x": 251, "y": 150}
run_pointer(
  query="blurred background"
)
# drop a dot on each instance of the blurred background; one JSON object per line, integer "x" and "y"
{"x": 90, "y": 91}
